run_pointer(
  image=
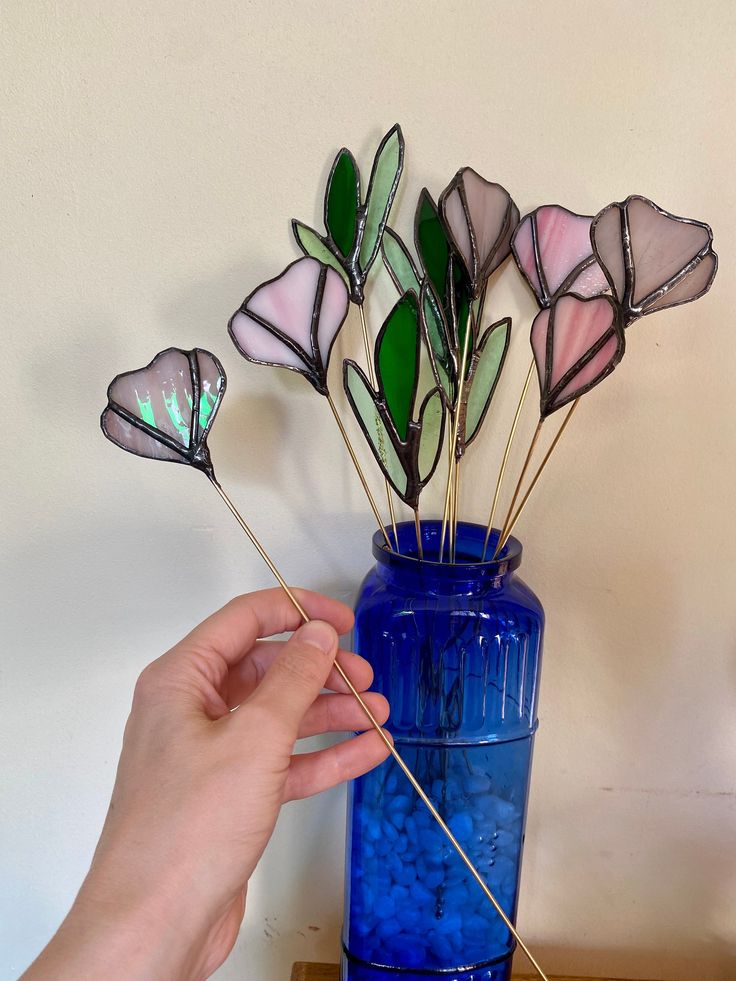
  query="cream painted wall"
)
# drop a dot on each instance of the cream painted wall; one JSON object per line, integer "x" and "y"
{"x": 153, "y": 154}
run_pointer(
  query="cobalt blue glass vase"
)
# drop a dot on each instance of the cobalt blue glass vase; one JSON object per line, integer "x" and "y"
{"x": 456, "y": 649}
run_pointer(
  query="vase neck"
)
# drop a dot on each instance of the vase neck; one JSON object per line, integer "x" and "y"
{"x": 468, "y": 574}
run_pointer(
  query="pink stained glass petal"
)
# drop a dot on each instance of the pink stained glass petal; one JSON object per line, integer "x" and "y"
{"x": 564, "y": 242}
{"x": 606, "y": 236}
{"x": 332, "y": 314}
{"x": 576, "y": 344}
{"x": 481, "y": 225}
{"x": 594, "y": 370}
{"x": 591, "y": 281}
{"x": 523, "y": 248}
{"x": 454, "y": 215}
{"x": 694, "y": 285}
{"x": 661, "y": 244}
{"x": 577, "y": 327}
{"x": 488, "y": 205}
{"x": 164, "y": 410}
{"x": 160, "y": 394}
{"x": 126, "y": 436}
{"x": 259, "y": 344}
{"x": 562, "y": 248}
{"x": 287, "y": 301}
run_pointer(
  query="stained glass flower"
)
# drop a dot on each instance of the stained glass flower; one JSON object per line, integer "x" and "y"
{"x": 165, "y": 410}
{"x": 292, "y": 321}
{"x": 577, "y": 342}
{"x": 405, "y": 438}
{"x": 651, "y": 258}
{"x": 552, "y": 249}
{"x": 354, "y": 227}
{"x": 480, "y": 217}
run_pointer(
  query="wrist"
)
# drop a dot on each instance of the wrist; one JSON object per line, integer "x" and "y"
{"x": 116, "y": 940}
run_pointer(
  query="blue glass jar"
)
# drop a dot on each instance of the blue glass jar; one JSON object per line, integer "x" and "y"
{"x": 456, "y": 649}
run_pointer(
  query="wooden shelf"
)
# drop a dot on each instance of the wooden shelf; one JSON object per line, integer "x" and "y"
{"x": 331, "y": 972}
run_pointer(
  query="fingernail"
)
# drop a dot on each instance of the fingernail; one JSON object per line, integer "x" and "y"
{"x": 318, "y": 634}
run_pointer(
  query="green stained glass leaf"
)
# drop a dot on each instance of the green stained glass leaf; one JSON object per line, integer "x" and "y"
{"x": 431, "y": 242}
{"x": 342, "y": 200}
{"x": 489, "y": 364}
{"x": 363, "y": 402}
{"x": 432, "y": 421}
{"x": 397, "y": 361}
{"x": 314, "y": 245}
{"x": 382, "y": 186}
{"x": 398, "y": 262}
{"x": 438, "y": 340}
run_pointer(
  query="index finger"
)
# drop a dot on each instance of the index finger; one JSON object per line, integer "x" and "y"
{"x": 233, "y": 630}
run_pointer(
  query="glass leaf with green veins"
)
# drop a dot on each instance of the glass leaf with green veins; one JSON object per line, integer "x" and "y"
{"x": 364, "y": 403}
{"x": 315, "y": 246}
{"x": 398, "y": 262}
{"x": 397, "y": 361}
{"x": 432, "y": 422}
{"x": 382, "y": 186}
{"x": 342, "y": 200}
{"x": 489, "y": 362}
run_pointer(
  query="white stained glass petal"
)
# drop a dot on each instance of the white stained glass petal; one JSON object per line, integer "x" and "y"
{"x": 606, "y": 233}
{"x": 524, "y": 254}
{"x": 160, "y": 394}
{"x": 432, "y": 420}
{"x": 578, "y": 325}
{"x": 691, "y": 287}
{"x": 376, "y": 432}
{"x": 332, "y": 313}
{"x": 661, "y": 245}
{"x": 597, "y": 366}
{"x": 287, "y": 302}
{"x": 132, "y": 439}
{"x": 261, "y": 345}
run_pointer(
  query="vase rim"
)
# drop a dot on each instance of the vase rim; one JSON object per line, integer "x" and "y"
{"x": 470, "y": 538}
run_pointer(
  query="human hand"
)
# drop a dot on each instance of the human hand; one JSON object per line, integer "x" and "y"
{"x": 199, "y": 787}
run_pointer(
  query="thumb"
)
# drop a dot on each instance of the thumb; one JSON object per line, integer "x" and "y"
{"x": 298, "y": 674}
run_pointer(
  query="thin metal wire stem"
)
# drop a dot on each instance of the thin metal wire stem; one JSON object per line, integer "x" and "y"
{"x": 517, "y": 489}
{"x": 372, "y": 379}
{"x": 504, "y": 462}
{"x": 357, "y": 466}
{"x": 385, "y": 738}
{"x": 538, "y": 474}
{"x": 455, "y": 431}
{"x": 446, "y": 509}
{"x": 418, "y": 530}
{"x": 455, "y": 508}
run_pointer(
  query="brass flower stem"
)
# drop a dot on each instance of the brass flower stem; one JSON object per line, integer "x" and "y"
{"x": 505, "y": 460}
{"x": 538, "y": 474}
{"x": 504, "y": 531}
{"x": 360, "y": 473}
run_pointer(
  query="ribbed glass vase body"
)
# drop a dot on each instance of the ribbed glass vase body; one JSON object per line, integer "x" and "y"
{"x": 456, "y": 649}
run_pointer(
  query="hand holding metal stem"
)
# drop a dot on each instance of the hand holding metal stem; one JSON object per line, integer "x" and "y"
{"x": 386, "y": 739}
